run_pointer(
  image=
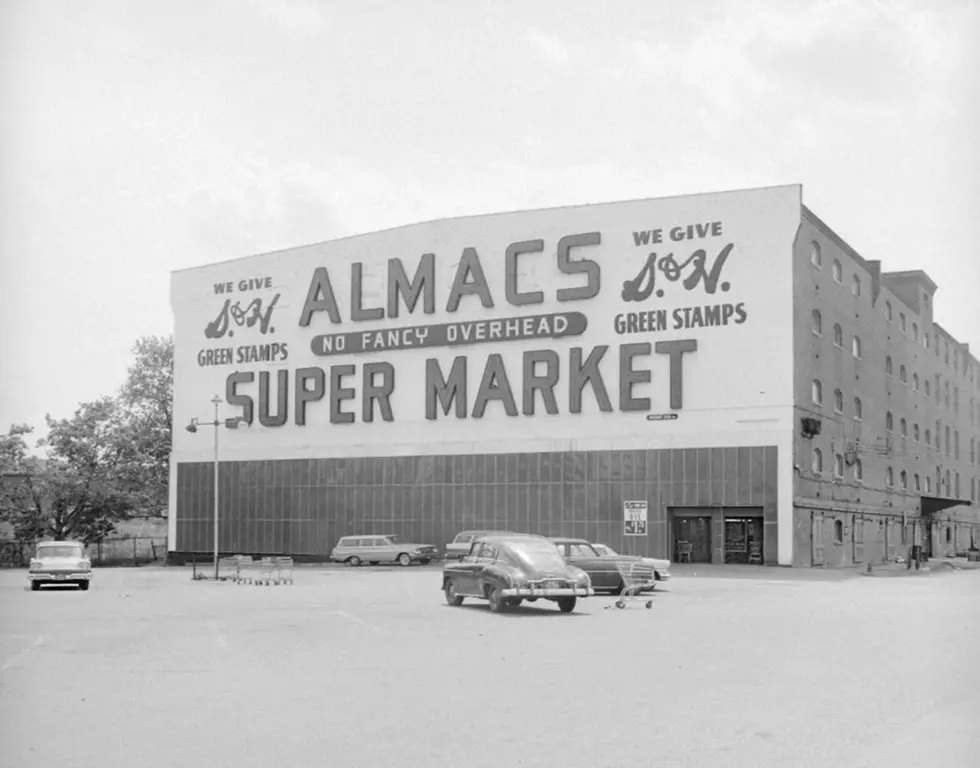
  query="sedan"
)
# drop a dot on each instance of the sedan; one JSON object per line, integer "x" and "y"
{"x": 661, "y": 567}
{"x": 506, "y": 569}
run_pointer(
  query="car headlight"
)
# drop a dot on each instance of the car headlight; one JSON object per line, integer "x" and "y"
{"x": 86, "y": 564}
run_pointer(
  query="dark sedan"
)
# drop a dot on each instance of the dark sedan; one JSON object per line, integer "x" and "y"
{"x": 506, "y": 569}
{"x": 602, "y": 570}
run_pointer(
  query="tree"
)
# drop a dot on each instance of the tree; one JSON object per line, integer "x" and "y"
{"x": 147, "y": 399}
{"x": 82, "y": 489}
{"x": 108, "y": 462}
{"x": 16, "y": 471}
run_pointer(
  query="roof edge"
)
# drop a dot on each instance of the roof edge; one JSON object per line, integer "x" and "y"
{"x": 465, "y": 217}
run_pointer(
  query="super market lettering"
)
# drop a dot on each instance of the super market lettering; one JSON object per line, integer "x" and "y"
{"x": 516, "y": 393}
{"x": 469, "y": 280}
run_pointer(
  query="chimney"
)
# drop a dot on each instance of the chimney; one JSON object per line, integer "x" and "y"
{"x": 874, "y": 267}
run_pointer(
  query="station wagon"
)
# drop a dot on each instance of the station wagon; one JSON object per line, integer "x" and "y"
{"x": 377, "y": 548}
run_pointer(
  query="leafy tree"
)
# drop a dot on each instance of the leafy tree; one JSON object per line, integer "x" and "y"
{"x": 82, "y": 489}
{"x": 147, "y": 397}
{"x": 108, "y": 462}
{"x": 18, "y": 505}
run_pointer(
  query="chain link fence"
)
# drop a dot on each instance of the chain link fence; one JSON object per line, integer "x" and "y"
{"x": 121, "y": 550}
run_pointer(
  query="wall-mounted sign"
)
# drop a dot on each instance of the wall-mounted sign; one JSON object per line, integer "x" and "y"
{"x": 536, "y": 327}
{"x": 635, "y": 518}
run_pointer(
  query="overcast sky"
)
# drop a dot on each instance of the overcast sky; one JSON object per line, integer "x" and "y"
{"x": 141, "y": 137}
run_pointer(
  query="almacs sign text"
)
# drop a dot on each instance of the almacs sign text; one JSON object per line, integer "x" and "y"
{"x": 692, "y": 262}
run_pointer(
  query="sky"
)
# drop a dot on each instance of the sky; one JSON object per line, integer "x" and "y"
{"x": 142, "y": 137}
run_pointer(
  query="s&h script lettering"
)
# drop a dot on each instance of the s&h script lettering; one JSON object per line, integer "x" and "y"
{"x": 252, "y": 314}
{"x": 691, "y": 273}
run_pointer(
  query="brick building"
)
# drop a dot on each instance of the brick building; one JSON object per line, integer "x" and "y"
{"x": 888, "y": 402}
{"x": 724, "y": 362}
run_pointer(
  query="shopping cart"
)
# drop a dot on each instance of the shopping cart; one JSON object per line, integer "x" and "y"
{"x": 637, "y": 577}
{"x": 265, "y": 571}
{"x": 284, "y": 570}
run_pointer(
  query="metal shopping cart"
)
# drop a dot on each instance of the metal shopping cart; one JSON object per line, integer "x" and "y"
{"x": 637, "y": 577}
{"x": 265, "y": 571}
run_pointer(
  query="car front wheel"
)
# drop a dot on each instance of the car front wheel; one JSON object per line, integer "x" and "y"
{"x": 404, "y": 560}
{"x": 567, "y": 604}
{"x": 451, "y": 597}
{"x": 83, "y": 585}
{"x": 35, "y": 586}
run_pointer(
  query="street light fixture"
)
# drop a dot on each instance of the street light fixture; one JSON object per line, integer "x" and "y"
{"x": 229, "y": 423}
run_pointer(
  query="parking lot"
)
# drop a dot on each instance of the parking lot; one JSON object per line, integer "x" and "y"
{"x": 370, "y": 666}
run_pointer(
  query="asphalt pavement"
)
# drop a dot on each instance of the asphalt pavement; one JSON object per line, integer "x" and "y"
{"x": 371, "y": 667}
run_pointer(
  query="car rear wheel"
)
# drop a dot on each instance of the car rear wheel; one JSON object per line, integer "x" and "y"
{"x": 354, "y": 561}
{"x": 496, "y": 600}
{"x": 83, "y": 585}
{"x": 514, "y": 602}
{"x": 35, "y": 586}
{"x": 567, "y": 604}
{"x": 404, "y": 560}
{"x": 451, "y": 597}
{"x": 375, "y": 562}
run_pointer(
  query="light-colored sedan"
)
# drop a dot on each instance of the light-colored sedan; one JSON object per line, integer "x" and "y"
{"x": 459, "y": 547}
{"x": 661, "y": 568}
{"x": 375, "y": 549}
{"x": 60, "y": 562}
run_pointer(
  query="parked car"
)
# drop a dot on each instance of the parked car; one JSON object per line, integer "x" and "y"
{"x": 506, "y": 569}
{"x": 459, "y": 547}
{"x": 60, "y": 562}
{"x": 661, "y": 567}
{"x": 602, "y": 570}
{"x": 376, "y": 548}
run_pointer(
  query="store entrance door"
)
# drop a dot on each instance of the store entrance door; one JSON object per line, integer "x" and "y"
{"x": 743, "y": 540}
{"x": 694, "y": 534}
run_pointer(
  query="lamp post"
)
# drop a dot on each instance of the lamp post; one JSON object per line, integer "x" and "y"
{"x": 230, "y": 423}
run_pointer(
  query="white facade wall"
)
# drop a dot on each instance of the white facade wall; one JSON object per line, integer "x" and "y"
{"x": 737, "y": 385}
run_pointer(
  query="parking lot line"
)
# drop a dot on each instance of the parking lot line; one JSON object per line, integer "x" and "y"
{"x": 23, "y": 654}
{"x": 354, "y": 619}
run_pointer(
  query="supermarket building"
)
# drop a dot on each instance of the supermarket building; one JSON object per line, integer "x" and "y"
{"x": 547, "y": 370}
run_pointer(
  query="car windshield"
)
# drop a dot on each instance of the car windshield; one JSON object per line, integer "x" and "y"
{"x": 537, "y": 554}
{"x": 607, "y": 551}
{"x": 59, "y": 551}
{"x": 464, "y": 538}
{"x": 394, "y": 539}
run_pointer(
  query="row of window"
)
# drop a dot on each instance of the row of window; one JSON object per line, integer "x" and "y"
{"x": 817, "y": 327}
{"x": 946, "y": 485}
{"x": 951, "y": 354}
{"x": 836, "y": 270}
{"x": 952, "y": 435}
{"x": 942, "y": 389}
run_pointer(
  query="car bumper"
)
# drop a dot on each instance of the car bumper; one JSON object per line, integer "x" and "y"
{"x": 552, "y": 592}
{"x": 57, "y": 578}
{"x": 661, "y": 576}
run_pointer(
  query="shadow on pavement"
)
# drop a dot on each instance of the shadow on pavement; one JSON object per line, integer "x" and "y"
{"x": 524, "y": 610}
